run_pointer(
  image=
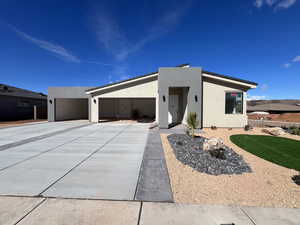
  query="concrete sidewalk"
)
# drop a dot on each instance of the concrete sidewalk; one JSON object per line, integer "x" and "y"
{"x": 51, "y": 211}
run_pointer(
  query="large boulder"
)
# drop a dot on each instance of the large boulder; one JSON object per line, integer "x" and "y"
{"x": 275, "y": 131}
{"x": 213, "y": 143}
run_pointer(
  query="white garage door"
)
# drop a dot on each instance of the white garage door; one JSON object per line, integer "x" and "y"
{"x": 71, "y": 109}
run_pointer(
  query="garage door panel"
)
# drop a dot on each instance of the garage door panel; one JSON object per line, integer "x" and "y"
{"x": 107, "y": 108}
{"x": 124, "y": 107}
{"x": 71, "y": 109}
{"x": 145, "y": 107}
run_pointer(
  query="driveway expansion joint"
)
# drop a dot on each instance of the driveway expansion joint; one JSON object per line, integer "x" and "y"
{"x": 40, "y": 137}
{"x": 250, "y": 218}
{"x": 82, "y": 161}
{"x": 28, "y": 213}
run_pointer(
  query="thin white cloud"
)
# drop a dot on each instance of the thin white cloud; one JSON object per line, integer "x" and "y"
{"x": 57, "y": 50}
{"x": 287, "y": 65}
{"x": 264, "y": 87}
{"x": 285, "y": 4}
{"x": 276, "y": 4}
{"x": 120, "y": 71}
{"x": 258, "y": 3}
{"x": 256, "y": 97}
{"x": 114, "y": 40}
{"x": 296, "y": 59}
{"x": 98, "y": 63}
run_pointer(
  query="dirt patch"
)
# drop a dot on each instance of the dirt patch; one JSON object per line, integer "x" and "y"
{"x": 269, "y": 185}
{"x": 284, "y": 117}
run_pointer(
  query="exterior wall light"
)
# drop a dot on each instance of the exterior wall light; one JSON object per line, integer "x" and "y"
{"x": 50, "y": 101}
{"x": 196, "y": 98}
{"x": 164, "y": 98}
{"x": 95, "y": 101}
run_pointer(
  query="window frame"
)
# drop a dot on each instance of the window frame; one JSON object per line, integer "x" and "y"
{"x": 237, "y": 92}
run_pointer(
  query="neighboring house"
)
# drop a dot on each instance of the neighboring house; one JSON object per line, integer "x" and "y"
{"x": 274, "y": 108}
{"x": 18, "y": 104}
{"x": 167, "y": 96}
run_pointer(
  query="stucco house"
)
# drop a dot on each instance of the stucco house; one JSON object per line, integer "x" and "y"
{"x": 167, "y": 96}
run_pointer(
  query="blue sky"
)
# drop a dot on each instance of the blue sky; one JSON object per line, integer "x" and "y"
{"x": 90, "y": 43}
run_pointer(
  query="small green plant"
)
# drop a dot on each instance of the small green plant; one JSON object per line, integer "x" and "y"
{"x": 192, "y": 122}
{"x": 135, "y": 114}
{"x": 213, "y": 127}
{"x": 247, "y": 127}
{"x": 296, "y": 131}
{"x": 293, "y": 130}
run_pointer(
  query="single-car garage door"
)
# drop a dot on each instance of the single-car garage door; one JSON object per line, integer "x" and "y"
{"x": 71, "y": 109}
{"x": 126, "y": 108}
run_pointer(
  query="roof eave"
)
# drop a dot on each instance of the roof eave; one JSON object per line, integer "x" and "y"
{"x": 230, "y": 79}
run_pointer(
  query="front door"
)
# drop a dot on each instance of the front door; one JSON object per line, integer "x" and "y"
{"x": 173, "y": 109}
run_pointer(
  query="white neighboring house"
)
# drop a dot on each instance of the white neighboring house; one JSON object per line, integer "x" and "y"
{"x": 167, "y": 96}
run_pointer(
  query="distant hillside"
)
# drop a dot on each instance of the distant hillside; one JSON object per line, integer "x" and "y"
{"x": 260, "y": 102}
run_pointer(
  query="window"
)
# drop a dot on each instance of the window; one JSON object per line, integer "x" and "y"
{"x": 234, "y": 103}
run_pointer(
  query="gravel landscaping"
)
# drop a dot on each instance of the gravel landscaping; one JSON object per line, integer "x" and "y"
{"x": 189, "y": 151}
{"x": 268, "y": 185}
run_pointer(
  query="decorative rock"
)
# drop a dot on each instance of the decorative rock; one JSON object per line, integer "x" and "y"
{"x": 275, "y": 131}
{"x": 191, "y": 153}
{"x": 212, "y": 144}
{"x": 296, "y": 179}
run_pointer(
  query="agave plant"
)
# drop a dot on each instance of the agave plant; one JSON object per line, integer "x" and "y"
{"x": 192, "y": 122}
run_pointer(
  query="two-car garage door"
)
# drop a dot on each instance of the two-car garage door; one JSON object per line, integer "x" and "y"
{"x": 126, "y": 107}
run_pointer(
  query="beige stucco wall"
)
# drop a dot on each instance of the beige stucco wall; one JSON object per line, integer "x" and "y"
{"x": 146, "y": 89}
{"x": 214, "y": 105}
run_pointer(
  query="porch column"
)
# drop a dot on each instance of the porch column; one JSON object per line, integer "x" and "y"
{"x": 157, "y": 109}
{"x": 94, "y": 109}
{"x": 163, "y": 109}
{"x": 51, "y": 109}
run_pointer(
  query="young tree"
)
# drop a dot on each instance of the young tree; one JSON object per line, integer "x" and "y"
{"x": 192, "y": 122}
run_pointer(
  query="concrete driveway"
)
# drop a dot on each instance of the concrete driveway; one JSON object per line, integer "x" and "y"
{"x": 12, "y": 136}
{"x": 100, "y": 161}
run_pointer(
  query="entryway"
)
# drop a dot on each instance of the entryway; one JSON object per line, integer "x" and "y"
{"x": 177, "y": 105}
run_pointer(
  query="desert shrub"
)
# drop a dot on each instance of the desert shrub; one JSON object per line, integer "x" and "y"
{"x": 188, "y": 132}
{"x": 192, "y": 122}
{"x": 135, "y": 114}
{"x": 247, "y": 127}
{"x": 218, "y": 153}
{"x": 295, "y": 130}
{"x": 179, "y": 143}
